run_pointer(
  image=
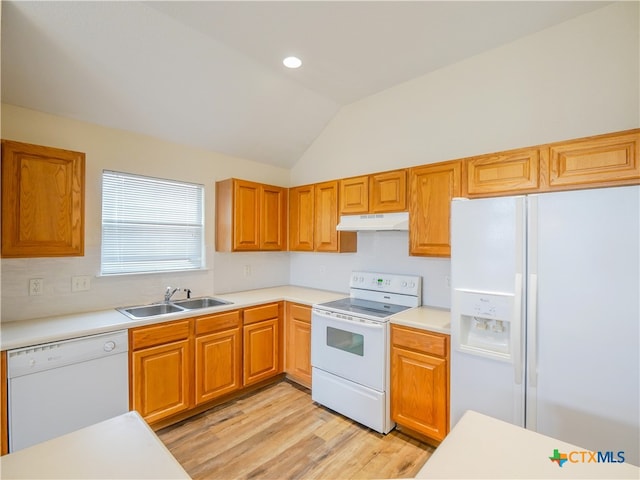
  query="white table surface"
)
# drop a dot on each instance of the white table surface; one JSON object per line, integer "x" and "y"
{"x": 118, "y": 448}
{"x": 482, "y": 447}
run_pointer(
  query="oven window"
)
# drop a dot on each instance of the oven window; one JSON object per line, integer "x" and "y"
{"x": 347, "y": 341}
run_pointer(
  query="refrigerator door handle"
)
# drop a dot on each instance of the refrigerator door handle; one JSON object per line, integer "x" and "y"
{"x": 532, "y": 337}
{"x": 516, "y": 326}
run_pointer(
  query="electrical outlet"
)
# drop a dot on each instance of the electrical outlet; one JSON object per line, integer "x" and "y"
{"x": 35, "y": 286}
{"x": 447, "y": 280}
{"x": 247, "y": 270}
{"x": 80, "y": 283}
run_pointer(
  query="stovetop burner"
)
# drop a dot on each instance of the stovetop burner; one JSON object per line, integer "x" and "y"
{"x": 365, "y": 307}
{"x": 378, "y": 295}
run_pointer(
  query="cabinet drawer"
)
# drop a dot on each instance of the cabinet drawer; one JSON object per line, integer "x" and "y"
{"x": 419, "y": 340}
{"x": 300, "y": 312}
{"x": 263, "y": 312}
{"x": 159, "y": 334}
{"x": 217, "y": 322}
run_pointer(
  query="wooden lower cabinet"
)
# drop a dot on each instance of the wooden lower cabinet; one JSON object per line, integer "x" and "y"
{"x": 161, "y": 370}
{"x": 420, "y": 381}
{"x": 218, "y": 356}
{"x": 177, "y": 368}
{"x": 261, "y": 343}
{"x": 298, "y": 343}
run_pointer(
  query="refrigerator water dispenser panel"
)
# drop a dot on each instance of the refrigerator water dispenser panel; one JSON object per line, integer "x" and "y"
{"x": 485, "y": 324}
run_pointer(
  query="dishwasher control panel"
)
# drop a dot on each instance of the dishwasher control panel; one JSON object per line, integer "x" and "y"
{"x": 23, "y": 361}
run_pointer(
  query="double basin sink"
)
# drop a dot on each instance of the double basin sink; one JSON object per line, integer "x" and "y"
{"x": 156, "y": 309}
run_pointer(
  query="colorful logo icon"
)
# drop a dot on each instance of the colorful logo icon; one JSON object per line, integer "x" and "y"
{"x": 559, "y": 458}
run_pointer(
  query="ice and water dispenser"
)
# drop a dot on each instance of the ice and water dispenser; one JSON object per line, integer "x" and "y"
{"x": 485, "y": 323}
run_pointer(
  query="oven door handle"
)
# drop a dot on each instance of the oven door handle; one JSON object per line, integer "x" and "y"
{"x": 360, "y": 321}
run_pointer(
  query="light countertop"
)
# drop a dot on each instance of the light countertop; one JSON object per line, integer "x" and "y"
{"x": 24, "y": 333}
{"x": 483, "y": 447}
{"x": 425, "y": 318}
{"x": 121, "y": 447}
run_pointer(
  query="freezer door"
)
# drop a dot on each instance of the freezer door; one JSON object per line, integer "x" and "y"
{"x": 487, "y": 255}
{"x": 583, "y": 334}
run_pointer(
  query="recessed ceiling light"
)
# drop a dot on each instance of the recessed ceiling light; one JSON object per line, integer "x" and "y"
{"x": 292, "y": 62}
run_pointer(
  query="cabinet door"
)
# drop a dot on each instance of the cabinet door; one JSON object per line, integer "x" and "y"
{"x": 388, "y": 192}
{"x": 261, "y": 351}
{"x": 432, "y": 188}
{"x": 597, "y": 161}
{"x": 42, "y": 201}
{"x": 419, "y": 392}
{"x": 298, "y": 343}
{"x": 301, "y": 218}
{"x": 273, "y": 218}
{"x": 354, "y": 195}
{"x": 516, "y": 171}
{"x": 246, "y": 215}
{"x": 161, "y": 378}
{"x": 218, "y": 360}
{"x": 326, "y": 237}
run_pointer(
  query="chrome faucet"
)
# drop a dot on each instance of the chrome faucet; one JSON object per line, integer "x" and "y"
{"x": 169, "y": 293}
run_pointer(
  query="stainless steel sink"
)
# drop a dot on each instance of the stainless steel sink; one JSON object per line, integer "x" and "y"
{"x": 204, "y": 302}
{"x": 157, "y": 309}
{"x": 151, "y": 310}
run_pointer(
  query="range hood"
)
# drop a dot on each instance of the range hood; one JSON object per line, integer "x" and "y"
{"x": 374, "y": 222}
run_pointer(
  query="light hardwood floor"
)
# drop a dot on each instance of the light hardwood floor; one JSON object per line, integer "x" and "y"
{"x": 280, "y": 433}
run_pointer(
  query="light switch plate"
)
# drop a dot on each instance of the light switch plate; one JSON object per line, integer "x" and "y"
{"x": 80, "y": 283}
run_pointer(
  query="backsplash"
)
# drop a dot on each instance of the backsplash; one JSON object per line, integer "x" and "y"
{"x": 386, "y": 252}
{"x": 227, "y": 272}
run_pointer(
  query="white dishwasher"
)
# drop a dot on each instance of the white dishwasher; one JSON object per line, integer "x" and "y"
{"x": 59, "y": 387}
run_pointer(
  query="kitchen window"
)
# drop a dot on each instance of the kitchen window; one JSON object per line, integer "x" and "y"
{"x": 150, "y": 224}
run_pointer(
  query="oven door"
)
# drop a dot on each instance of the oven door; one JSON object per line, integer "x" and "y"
{"x": 354, "y": 349}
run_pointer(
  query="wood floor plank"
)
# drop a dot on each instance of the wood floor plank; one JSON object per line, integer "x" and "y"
{"x": 278, "y": 432}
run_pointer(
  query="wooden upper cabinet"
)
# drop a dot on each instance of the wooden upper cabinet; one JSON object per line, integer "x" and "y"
{"x": 250, "y": 216}
{"x": 603, "y": 160}
{"x": 273, "y": 218}
{"x": 42, "y": 201}
{"x": 388, "y": 192}
{"x": 326, "y": 237}
{"x": 377, "y": 193}
{"x": 354, "y": 195}
{"x": 431, "y": 189}
{"x": 301, "y": 218}
{"x": 511, "y": 172}
{"x": 246, "y": 215}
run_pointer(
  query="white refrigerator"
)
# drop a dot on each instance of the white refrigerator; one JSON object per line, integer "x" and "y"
{"x": 545, "y": 317}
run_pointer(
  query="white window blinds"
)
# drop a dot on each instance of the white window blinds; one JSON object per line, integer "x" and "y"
{"x": 150, "y": 224}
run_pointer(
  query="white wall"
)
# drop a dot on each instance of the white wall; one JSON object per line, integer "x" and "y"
{"x": 118, "y": 150}
{"x": 576, "y": 79}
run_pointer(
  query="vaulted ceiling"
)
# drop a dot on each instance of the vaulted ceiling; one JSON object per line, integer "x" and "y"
{"x": 209, "y": 73}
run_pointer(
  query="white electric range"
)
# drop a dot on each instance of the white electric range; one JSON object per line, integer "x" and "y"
{"x": 350, "y": 346}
